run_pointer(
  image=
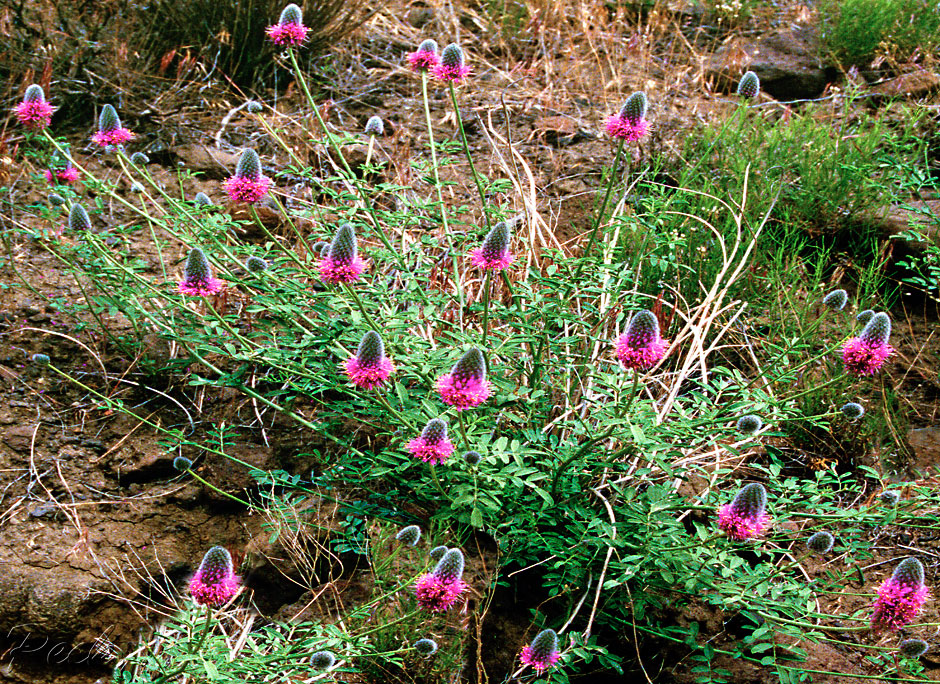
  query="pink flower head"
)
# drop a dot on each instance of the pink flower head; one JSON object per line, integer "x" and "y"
{"x": 745, "y": 516}
{"x": 466, "y": 385}
{"x": 494, "y": 255}
{"x": 197, "y": 276}
{"x": 289, "y": 29}
{"x": 452, "y": 68}
{"x": 542, "y": 653}
{"x": 439, "y": 589}
{"x": 247, "y": 185}
{"x": 110, "y": 131}
{"x": 425, "y": 57}
{"x": 342, "y": 263}
{"x": 432, "y": 446}
{"x": 34, "y": 112}
{"x": 641, "y": 347}
{"x": 865, "y": 354}
{"x": 214, "y": 583}
{"x": 369, "y": 367}
{"x": 630, "y": 124}
{"x": 900, "y": 597}
{"x": 64, "y": 176}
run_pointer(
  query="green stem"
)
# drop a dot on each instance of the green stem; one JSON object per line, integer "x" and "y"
{"x": 355, "y": 296}
{"x": 600, "y": 214}
{"x": 486, "y": 307}
{"x": 437, "y": 483}
{"x": 463, "y": 430}
{"x": 577, "y": 454}
{"x": 466, "y": 149}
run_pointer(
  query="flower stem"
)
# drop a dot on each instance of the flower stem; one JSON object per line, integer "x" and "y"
{"x": 466, "y": 149}
{"x": 463, "y": 430}
{"x": 600, "y": 213}
{"x": 362, "y": 308}
{"x": 486, "y": 307}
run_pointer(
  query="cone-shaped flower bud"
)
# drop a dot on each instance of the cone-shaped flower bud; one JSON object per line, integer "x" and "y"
{"x": 641, "y": 347}
{"x": 197, "y": 276}
{"x": 342, "y": 264}
{"x": 494, "y": 255}
{"x": 375, "y": 126}
{"x": 289, "y": 29}
{"x": 202, "y": 199}
{"x": 836, "y": 300}
{"x": 542, "y": 653}
{"x": 425, "y": 57}
{"x": 369, "y": 367}
{"x": 466, "y": 385}
{"x": 630, "y": 124}
{"x": 864, "y": 316}
{"x": 749, "y": 85}
{"x": 912, "y": 648}
{"x": 437, "y": 553}
{"x": 821, "y": 542}
{"x": 139, "y": 159}
{"x": 255, "y": 264}
{"x": 432, "y": 446}
{"x": 182, "y": 464}
{"x": 55, "y": 200}
{"x": 319, "y": 245}
{"x": 34, "y": 112}
{"x": 410, "y": 535}
{"x": 214, "y": 583}
{"x": 78, "y": 219}
{"x": 253, "y": 106}
{"x": 472, "y": 458}
{"x": 745, "y": 517}
{"x": 247, "y": 185}
{"x": 439, "y": 589}
{"x": 900, "y": 597}
{"x": 853, "y": 411}
{"x": 110, "y": 131}
{"x": 452, "y": 68}
{"x": 890, "y": 497}
{"x": 136, "y": 186}
{"x": 426, "y": 647}
{"x": 866, "y": 354}
{"x": 322, "y": 660}
{"x": 749, "y": 424}
{"x": 40, "y": 359}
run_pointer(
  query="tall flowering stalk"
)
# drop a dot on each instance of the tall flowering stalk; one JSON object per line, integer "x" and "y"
{"x": 745, "y": 517}
{"x": 214, "y": 583}
{"x": 866, "y": 354}
{"x": 369, "y": 367}
{"x": 110, "y": 131}
{"x": 439, "y": 589}
{"x": 900, "y": 597}
{"x": 493, "y": 257}
{"x": 34, "y": 112}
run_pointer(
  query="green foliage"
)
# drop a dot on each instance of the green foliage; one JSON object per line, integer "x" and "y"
{"x": 856, "y": 31}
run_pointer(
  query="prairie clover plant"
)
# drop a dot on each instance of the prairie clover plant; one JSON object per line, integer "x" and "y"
{"x": 215, "y": 582}
{"x": 289, "y": 29}
{"x": 110, "y": 132}
{"x": 440, "y": 589}
{"x": 34, "y": 112}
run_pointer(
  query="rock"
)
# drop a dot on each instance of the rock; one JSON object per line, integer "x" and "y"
{"x": 786, "y": 63}
{"x": 925, "y": 443}
{"x": 420, "y": 16}
{"x": 923, "y": 216}
{"x": 914, "y": 84}
{"x": 19, "y": 437}
{"x": 213, "y": 162}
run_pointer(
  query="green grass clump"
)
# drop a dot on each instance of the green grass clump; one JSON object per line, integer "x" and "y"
{"x": 857, "y": 31}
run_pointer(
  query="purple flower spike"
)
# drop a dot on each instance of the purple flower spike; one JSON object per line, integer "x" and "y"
{"x": 630, "y": 124}
{"x": 452, "y": 68}
{"x": 65, "y": 176}
{"x": 110, "y": 131}
{"x": 425, "y": 57}
{"x": 197, "y": 276}
{"x": 289, "y": 29}
{"x": 494, "y": 255}
{"x": 342, "y": 263}
{"x": 34, "y": 112}
{"x": 542, "y": 653}
{"x": 745, "y": 517}
{"x": 247, "y": 185}
{"x": 78, "y": 219}
{"x": 641, "y": 347}
{"x": 439, "y": 589}
{"x": 369, "y": 368}
{"x": 432, "y": 446}
{"x": 214, "y": 583}
{"x": 900, "y": 597}
{"x": 466, "y": 385}
{"x": 865, "y": 354}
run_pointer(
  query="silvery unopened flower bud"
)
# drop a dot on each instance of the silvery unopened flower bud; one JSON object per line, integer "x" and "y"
{"x": 291, "y": 15}
{"x": 253, "y": 106}
{"x": 256, "y": 265}
{"x": 56, "y": 200}
{"x": 437, "y": 553}
{"x": 877, "y": 330}
{"x": 909, "y": 572}
{"x": 322, "y": 660}
{"x": 450, "y": 567}
{"x": 864, "y": 316}
{"x": 470, "y": 365}
{"x": 137, "y": 187}
{"x": 139, "y": 159}
{"x": 249, "y": 165}
{"x": 836, "y": 300}
{"x": 182, "y": 464}
{"x": 410, "y": 535}
{"x": 197, "y": 266}
{"x": 108, "y": 119}
{"x": 426, "y": 647}
{"x": 750, "y": 502}
{"x": 429, "y": 45}
{"x": 749, "y": 85}
{"x": 40, "y": 359}
{"x": 370, "y": 352}
{"x": 821, "y": 542}
{"x": 34, "y": 94}
{"x": 319, "y": 245}
{"x": 909, "y": 648}
{"x": 343, "y": 248}
{"x": 890, "y": 497}
{"x": 635, "y": 107}
{"x": 749, "y": 424}
{"x": 853, "y": 411}
{"x": 452, "y": 56}
{"x": 472, "y": 458}
{"x": 202, "y": 199}
{"x": 375, "y": 126}
{"x": 78, "y": 219}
